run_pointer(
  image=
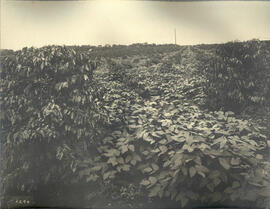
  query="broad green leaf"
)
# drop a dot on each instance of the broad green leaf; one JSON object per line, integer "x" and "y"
{"x": 185, "y": 171}
{"x": 178, "y": 138}
{"x": 155, "y": 134}
{"x": 154, "y": 191}
{"x": 203, "y": 146}
{"x": 133, "y": 162}
{"x": 167, "y": 114}
{"x": 259, "y": 156}
{"x": 155, "y": 166}
{"x": 126, "y": 167}
{"x": 163, "y": 148}
{"x": 159, "y": 133}
{"x": 137, "y": 157}
{"x": 224, "y": 163}
{"x": 166, "y": 163}
{"x": 148, "y": 138}
{"x": 192, "y": 172}
{"x": 146, "y": 152}
{"x": 211, "y": 187}
{"x": 255, "y": 184}
{"x": 235, "y": 161}
{"x": 163, "y": 141}
{"x": 201, "y": 173}
{"x": 85, "y": 77}
{"x": 124, "y": 149}
{"x": 112, "y": 152}
{"x": 216, "y": 181}
{"x": 121, "y": 139}
{"x": 145, "y": 182}
{"x": 223, "y": 142}
{"x": 120, "y": 160}
{"x": 234, "y": 195}
{"x": 229, "y": 113}
{"x": 153, "y": 180}
{"x": 183, "y": 199}
{"x": 147, "y": 170}
{"x": 96, "y": 168}
{"x": 131, "y": 147}
{"x": 265, "y": 192}
{"x": 128, "y": 158}
{"x": 113, "y": 161}
{"x": 108, "y": 175}
{"x": 92, "y": 178}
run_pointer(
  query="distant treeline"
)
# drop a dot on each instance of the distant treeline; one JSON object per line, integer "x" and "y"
{"x": 5, "y": 52}
{"x": 214, "y": 46}
{"x": 127, "y": 50}
{"x": 116, "y": 50}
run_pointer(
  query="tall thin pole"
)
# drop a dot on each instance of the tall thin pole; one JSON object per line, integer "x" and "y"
{"x": 175, "y": 36}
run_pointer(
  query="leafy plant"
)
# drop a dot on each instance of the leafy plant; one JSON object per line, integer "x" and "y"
{"x": 48, "y": 99}
{"x": 119, "y": 145}
{"x": 238, "y": 76}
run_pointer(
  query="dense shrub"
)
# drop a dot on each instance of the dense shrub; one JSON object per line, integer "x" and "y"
{"x": 6, "y": 52}
{"x": 195, "y": 163}
{"x": 170, "y": 149}
{"x": 120, "y": 72}
{"x": 117, "y": 71}
{"x": 239, "y": 76}
{"x": 166, "y": 66}
{"x": 174, "y": 151}
{"x": 48, "y": 100}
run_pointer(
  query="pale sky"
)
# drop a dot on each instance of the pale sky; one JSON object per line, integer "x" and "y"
{"x": 100, "y": 22}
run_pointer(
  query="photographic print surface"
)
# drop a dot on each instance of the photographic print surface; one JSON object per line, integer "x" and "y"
{"x": 135, "y": 104}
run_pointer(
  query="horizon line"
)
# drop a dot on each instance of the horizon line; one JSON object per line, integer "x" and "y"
{"x": 142, "y": 43}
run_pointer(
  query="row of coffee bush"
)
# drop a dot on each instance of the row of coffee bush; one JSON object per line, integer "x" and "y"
{"x": 238, "y": 76}
{"x": 48, "y": 99}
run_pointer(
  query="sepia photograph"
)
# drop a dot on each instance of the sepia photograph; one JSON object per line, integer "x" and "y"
{"x": 135, "y": 104}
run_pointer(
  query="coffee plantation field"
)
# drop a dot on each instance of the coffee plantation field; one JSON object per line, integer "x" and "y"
{"x": 139, "y": 126}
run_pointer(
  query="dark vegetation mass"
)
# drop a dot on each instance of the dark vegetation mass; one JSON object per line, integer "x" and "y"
{"x": 139, "y": 126}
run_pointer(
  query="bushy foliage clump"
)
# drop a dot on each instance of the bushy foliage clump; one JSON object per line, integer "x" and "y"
{"x": 48, "y": 99}
{"x": 120, "y": 72}
{"x": 175, "y": 151}
{"x": 239, "y": 76}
